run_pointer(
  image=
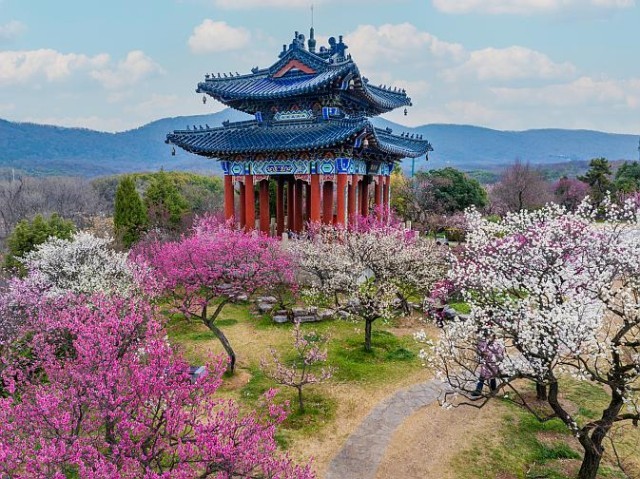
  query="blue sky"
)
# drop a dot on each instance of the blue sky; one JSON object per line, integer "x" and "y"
{"x": 506, "y": 64}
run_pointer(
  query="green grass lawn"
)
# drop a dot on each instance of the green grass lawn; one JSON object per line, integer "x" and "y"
{"x": 252, "y": 336}
{"x": 524, "y": 448}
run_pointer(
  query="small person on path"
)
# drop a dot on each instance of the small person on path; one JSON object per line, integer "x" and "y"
{"x": 490, "y": 354}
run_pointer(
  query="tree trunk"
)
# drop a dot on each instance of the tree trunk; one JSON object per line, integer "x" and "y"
{"x": 593, "y": 448}
{"x": 541, "y": 392}
{"x": 367, "y": 335}
{"x": 590, "y": 464}
{"x": 225, "y": 344}
{"x": 300, "y": 400}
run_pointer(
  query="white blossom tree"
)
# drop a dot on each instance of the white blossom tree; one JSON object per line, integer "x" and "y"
{"x": 85, "y": 264}
{"x": 560, "y": 295}
{"x": 366, "y": 271}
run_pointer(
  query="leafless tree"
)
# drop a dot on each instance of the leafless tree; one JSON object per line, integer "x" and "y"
{"x": 22, "y": 197}
{"x": 521, "y": 187}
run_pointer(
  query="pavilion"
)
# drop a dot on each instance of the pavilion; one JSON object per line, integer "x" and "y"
{"x": 310, "y": 134}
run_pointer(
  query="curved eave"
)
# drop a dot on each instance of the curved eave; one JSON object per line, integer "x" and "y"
{"x": 261, "y": 86}
{"x": 401, "y": 146}
{"x": 249, "y": 137}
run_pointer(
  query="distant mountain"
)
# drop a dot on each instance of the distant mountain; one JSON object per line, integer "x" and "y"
{"x": 52, "y": 150}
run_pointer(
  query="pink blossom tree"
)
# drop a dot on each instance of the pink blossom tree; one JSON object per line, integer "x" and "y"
{"x": 569, "y": 192}
{"x": 213, "y": 266}
{"x": 104, "y": 395}
{"x": 299, "y": 372}
{"x": 554, "y": 294}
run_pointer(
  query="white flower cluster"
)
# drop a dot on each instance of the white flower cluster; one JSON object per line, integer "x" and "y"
{"x": 559, "y": 292}
{"x": 85, "y": 264}
{"x": 368, "y": 271}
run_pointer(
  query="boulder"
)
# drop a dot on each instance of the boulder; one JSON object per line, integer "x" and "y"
{"x": 265, "y": 307}
{"x": 312, "y": 318}
{"x": 280, "y": 319}
{"x": 298, "y": 311}
{"x": 325, "y": 314}
{"x": 242, "y": 297}
{"x": 267, "y": 299}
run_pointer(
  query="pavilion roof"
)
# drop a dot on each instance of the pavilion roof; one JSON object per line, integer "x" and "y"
{"x": 249, "y": 137}
{"x": 300, "y": 72}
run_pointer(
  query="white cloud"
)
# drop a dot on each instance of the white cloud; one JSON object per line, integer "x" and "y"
{"x": 212, "y": 37}
{"x": 582, "y": 92}
{"x": 46, "y": 65}
{"x": 11, "y": 30}
{"x": 21, "y": 66}
{"x": 525, "y": 6}
{"x": 399, "y": 43}
{"x": 134, "y": 68}
{"x": 512, "y": 63}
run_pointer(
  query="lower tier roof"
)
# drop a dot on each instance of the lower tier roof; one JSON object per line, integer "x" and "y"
{"x": 250, "y": 137}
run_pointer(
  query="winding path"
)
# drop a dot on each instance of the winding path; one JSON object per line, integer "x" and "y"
{"x": 361, "y": 455}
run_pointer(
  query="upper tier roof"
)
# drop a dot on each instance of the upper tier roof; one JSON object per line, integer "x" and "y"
{"x": 249, "y": 137}
{"x": 299, "y": 73}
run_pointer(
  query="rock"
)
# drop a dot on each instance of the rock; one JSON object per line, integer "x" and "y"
{"x": 449, "y": 312}
{"x": 265, "y": 307}
{"x": 416, "y": 306}
{"x": 307, "y": 319}
{"x": 326, "y": 314}
{"x": 242, "y": 297}
{"x": 353, "y": 303}
{"x": 343, "y": 315}
{"x": 300, "y": 311}
{"x": 267, "y": 299}
{"x": 281, "y": 312}
{"x": 280, "y": 319}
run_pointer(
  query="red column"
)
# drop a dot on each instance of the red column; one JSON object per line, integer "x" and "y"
{"x": 342, "y": 199}
{"x": 307, "y": 202}
{"x": 265, "y": 217}
{"x": 290, "y": 207}
{"x": 243, "y": 209}
{"x": 314, "y": 217}
{"x": 387, "y": 194}
{"x": 378, "y": 193}
{"x": 280, "y": 206}
{"x": 327, "y": 202}
{"x": 250, "y": 202}
{"x": 351, "y": 199}
{"x": 364, "y": 196}
{"x": 297, "y": 220}
{"x": 228, "y": 197}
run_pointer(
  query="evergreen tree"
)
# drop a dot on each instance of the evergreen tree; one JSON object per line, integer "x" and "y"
{"x": 598, "y": 177}
{"x": 628, "y": 177}
{"x": 130, "y": 215}
{"x": 453, "y": 190}
{"x": 28, "y": 235}
{"x": 165, "y": 205}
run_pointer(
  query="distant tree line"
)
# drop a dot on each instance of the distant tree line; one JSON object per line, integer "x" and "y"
{"x": 33, "y": 209}
{"x": 433, "y": 199}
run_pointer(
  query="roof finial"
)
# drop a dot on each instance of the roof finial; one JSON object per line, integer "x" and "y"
{"x": 312, "y": 40}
